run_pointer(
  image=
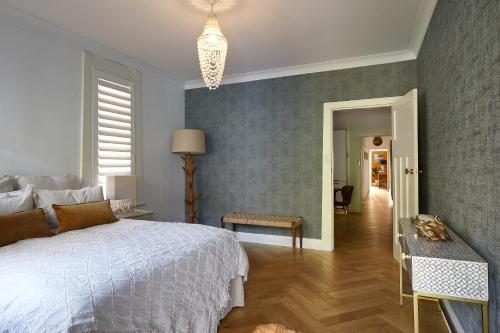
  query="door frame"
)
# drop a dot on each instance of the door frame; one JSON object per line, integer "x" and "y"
{"x": 327, "y": 211}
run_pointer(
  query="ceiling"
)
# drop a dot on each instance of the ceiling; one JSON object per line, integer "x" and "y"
{"x": 262, "y": 34}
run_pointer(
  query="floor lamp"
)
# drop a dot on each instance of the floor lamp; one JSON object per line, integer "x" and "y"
{"x": 189, "y": 142}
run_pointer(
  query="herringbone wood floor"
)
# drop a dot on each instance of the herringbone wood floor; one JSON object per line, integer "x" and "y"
{"x": 354, "y": 289}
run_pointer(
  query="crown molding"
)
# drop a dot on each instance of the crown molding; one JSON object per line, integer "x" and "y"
{"x": 375, "y": 59}
{"x": 422, "y": 20}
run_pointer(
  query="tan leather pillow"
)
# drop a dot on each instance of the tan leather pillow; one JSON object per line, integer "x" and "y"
{"x": 23, "y": 225}
{"x": 83, "y": 215}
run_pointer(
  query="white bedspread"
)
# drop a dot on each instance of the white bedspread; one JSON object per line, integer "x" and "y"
{"x": 139, "y": 276}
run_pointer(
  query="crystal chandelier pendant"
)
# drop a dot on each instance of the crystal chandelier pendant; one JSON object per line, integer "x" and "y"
{"x": 212, "y": 50}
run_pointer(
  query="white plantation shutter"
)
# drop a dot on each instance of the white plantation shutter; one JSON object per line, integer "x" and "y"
{"x": 111, "y": 120}
{"x": 115, "y": 130}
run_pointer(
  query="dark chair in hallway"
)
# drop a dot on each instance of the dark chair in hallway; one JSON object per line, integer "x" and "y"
{"x": 346, "y": 199}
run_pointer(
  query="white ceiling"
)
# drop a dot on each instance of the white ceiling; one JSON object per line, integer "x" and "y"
{"x": 262, "y": 34}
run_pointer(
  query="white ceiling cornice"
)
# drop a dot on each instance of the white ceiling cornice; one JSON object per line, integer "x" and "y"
{"x": 375, "y": 59}
{"x": 422, "y": 20}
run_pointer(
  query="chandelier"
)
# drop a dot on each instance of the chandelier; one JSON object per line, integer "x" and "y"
{"x": 212, "y": 50}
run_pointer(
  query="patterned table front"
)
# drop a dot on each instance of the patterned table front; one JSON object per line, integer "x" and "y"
{"x": 445, "y": 268}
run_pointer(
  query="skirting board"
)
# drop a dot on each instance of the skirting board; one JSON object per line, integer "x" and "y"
{"x": 308, "y": 243}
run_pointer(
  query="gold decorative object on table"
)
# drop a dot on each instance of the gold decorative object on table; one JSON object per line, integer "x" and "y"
{"x": 433, "y": 230}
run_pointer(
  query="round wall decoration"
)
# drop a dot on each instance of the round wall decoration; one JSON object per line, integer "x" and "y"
{"x": 377, "y": 141}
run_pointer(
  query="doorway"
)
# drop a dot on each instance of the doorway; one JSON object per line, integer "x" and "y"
{"x": 379, "y": 169}
{"x": 376, "y": 165}
{"x": 351, "y": 130}
{"x": 405, "y": 158}
{"x": 361, "y": 138}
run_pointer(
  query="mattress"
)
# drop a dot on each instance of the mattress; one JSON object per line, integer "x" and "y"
{"x": 128, "y": 276}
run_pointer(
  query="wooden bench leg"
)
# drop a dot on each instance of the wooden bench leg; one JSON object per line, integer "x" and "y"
{"x": 222, "y": 222}
{"x": 301, "y": 234}
{"x": 294, "y": 234}
{"x": 234, "y": 227}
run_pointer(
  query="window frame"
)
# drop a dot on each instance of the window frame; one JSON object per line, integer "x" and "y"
{"x": 93, "y": 66}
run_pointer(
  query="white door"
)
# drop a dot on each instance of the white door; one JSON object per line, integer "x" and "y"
{"x": 405, "y": 161}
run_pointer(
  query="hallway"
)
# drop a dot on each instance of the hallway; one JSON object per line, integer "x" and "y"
{"x": 354, "y": 289}
{"x": 374, "y": 223}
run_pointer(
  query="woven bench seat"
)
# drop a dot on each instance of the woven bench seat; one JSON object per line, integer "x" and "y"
{"x": 290, "y": 222}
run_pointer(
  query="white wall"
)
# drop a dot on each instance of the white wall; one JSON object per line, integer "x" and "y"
{"x": 340, "y": 160}
{"x": 372, "y": 121}
{"x": 41, "y": 109}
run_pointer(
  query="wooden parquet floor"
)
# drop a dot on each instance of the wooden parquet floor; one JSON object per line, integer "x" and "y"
{"x": 354, "y": 289}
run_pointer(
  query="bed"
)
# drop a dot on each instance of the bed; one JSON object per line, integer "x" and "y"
{"x": 128, "y": 276}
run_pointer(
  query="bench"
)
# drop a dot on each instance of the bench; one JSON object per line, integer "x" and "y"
{"x": 290, "y": 222}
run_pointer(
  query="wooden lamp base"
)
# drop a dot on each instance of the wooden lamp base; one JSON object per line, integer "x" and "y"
{"x": 191, "y": 198}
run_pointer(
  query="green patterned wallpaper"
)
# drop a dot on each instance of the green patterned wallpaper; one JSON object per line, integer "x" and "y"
{"x": 459, "y": 109}
{"x": 264, "y": 140}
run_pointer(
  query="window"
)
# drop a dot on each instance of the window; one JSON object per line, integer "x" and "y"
{"x": 110, "y": 115}
{"x": 114, "y": 127}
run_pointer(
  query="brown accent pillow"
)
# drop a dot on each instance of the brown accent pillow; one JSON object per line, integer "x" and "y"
{"x": 23, "y": 225}
{"x": 83, "y": 215}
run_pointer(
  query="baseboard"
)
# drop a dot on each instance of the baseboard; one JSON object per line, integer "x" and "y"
{"x": 308, "y": 243}
{"x": 451, "y": 318}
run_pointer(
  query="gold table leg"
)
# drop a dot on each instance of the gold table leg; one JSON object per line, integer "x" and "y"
{"x": 415, "y": 312}
{"x": 486, "y": 323}
{"x": 435, "y": 297}
{"x": 400, "y": 276}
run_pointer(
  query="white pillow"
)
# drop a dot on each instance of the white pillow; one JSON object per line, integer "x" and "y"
{"x": 16, "y": 201}
{"x": 6, "y": 184}
{"x": 45, "y": 198}
{"x": 67, "y": 182}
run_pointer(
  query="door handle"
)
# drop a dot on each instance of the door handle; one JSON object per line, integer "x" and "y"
{"x": 413, "y": 171}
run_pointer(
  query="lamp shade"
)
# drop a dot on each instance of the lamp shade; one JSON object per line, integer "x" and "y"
{"x": 121, "y": 187}
{"x": 189, "y": 141}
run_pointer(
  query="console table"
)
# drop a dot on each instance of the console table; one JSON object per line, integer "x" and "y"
{"x": 442, "y": 270}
